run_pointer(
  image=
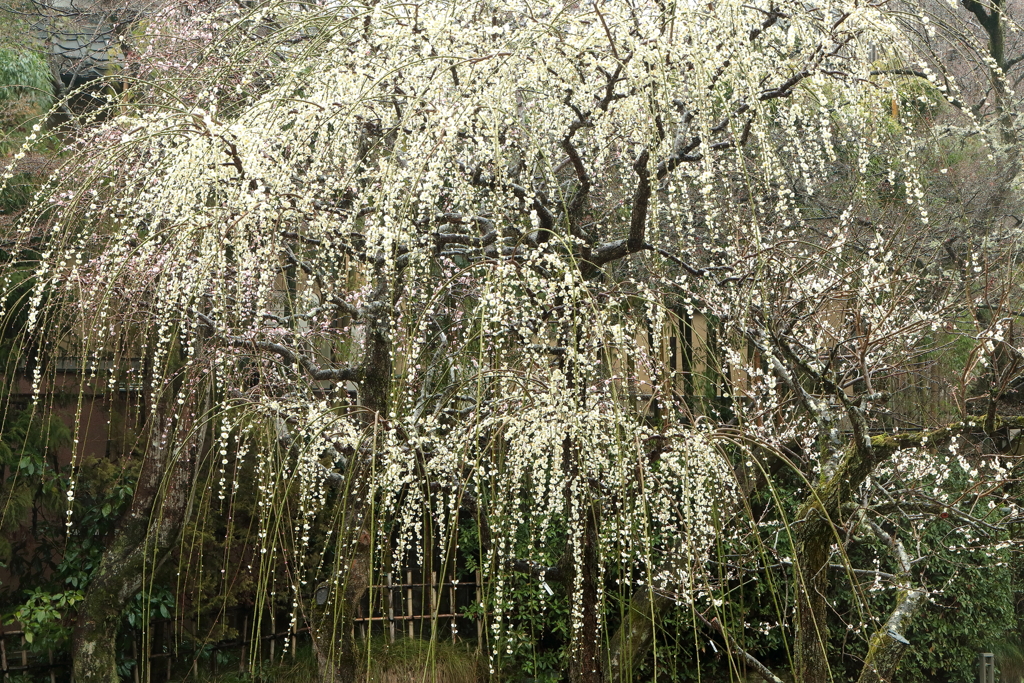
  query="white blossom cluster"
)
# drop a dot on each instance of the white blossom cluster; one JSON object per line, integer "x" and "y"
{"x": 454, "y": 197}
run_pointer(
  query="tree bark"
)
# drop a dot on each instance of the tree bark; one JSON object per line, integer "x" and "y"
{"x": 811, "y": 574}
{"x": 888, "y": 645}
{"x": 582, "y": 564}
{"x": 335, "y": 603}
{"x": 815, "y": 531}
{"x": 139, "y": 544}
{"x": 632, "y": 641}
{"x": 813, "y": 537}
{"x": 585, "y": 662}
{"x": 332, "y": 625}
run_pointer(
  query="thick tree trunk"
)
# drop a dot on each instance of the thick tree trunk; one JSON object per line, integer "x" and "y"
{"x": 585, "y": 663}
{"x": 335, "y": 604}
{"x": 94, "y": 653}
{"x": 815, "y": 532}
{"x": 377, "y": 362}
{"x": 888, "y": 645}
{"x": 633, "y": 640}
{"x": 811, "y": 574}
{"x": 336, "y": 600}
{"x": 138, "y": 545}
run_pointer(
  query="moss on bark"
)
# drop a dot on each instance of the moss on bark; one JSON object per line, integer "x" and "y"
{"x": 140, "y": 541}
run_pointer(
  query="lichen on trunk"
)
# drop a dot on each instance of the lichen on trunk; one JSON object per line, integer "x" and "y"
{"x": 632, "y": 641}
{"x": 141, "y": 540}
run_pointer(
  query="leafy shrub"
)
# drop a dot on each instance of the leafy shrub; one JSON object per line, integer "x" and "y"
{"x": 25, "y": 74}
{"x": 26, "y": 93}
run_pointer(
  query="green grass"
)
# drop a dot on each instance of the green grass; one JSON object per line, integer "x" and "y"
{"x": 405, "y": 661}
{"x": 420, "y": 660}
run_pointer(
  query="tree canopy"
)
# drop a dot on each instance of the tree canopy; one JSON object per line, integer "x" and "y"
{"x": 430, "y": 263}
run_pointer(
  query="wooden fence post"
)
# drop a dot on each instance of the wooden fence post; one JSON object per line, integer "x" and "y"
{"x": 3, "y": 656}
{"x": 480, "y": 615}
{"x": 273, "y": 632}
{"x": 391, "y": 607}
{"x": 295, "y": 630}
{"x": 986, "y": 667}
{"x": 433, "y": 604}
{"x": 394, "y": 601}
{"x": 452, "y": 592}
{"x": 242, "y": 659}
{"x": 408, "y": 610}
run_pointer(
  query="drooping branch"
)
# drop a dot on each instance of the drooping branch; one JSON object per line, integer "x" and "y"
{"x": 763, "y": 671}
{"x": 285, "y": 440}
{"x": 683, "y": 151}
{"x": 630, "y": 644}
{"x": 538, "y": 202}
{"x": 288, "y": 355}
{"x": 292, "y": 357}
{"x": 947, "y": 92}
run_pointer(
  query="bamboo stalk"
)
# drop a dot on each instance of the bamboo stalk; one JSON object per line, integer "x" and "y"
{"x": 446, "y": 615}
{"x": 295, "y": 631}
{"x": 273, "y": 631}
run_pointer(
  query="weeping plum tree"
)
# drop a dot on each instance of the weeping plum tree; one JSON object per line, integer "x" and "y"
{"x": 419, "y": 261}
